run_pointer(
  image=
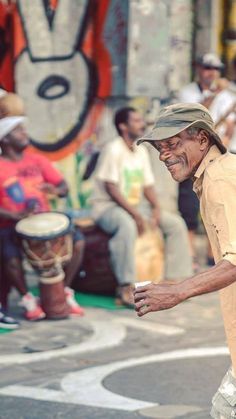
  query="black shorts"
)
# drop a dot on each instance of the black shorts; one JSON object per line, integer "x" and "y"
{"x": 188, "y": 204}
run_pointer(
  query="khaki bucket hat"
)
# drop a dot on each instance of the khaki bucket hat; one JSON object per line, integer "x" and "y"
{"x": 176, "y": 118}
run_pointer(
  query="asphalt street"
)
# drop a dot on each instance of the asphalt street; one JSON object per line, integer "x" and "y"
{"x": 111, "y": 364}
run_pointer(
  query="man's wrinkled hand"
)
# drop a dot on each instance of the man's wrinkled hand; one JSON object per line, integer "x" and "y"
{"x": 156, "y": 297}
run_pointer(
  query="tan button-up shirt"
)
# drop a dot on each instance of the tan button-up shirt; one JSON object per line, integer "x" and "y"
{"x": 215, "y": 185}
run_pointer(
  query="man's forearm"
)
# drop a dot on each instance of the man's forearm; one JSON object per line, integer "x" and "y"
{"x": 220, "y": 276}
{"x": 8, "y": 215}
{"x": 151, "y": 196}
{"x": 163, "y": 296}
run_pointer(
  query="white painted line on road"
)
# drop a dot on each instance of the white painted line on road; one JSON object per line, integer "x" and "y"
{"x": 150, "y": 326}
{"x": 86, "y": 396}
{"x": 104, "y": 336}
{"x": 85, "y": 387}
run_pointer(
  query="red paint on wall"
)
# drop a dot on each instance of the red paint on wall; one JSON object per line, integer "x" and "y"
{"x": 93, "y": 46}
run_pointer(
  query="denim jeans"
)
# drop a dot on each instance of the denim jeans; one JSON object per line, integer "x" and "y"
{"x": 117, "y": 221}
{"x": 224, "y": 401}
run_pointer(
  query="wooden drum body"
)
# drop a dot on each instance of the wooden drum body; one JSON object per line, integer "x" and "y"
{"x": 96, "y": 276}
{"x": 149, "y": 256}
{"x": 47, "y": 244}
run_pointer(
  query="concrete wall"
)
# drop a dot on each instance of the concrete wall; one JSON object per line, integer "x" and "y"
{"x": 208, "y": 20}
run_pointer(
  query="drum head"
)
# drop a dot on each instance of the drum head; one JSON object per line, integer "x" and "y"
{"x": 43, "y": 226}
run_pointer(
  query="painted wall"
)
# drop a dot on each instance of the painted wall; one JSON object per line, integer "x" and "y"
{"x": 74, "y": 61}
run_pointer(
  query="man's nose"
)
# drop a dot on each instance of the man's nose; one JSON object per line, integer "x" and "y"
{"x": 164, "y": 155}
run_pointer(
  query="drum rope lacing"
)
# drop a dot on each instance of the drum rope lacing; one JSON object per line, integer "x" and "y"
{"x": 56, "y": 259}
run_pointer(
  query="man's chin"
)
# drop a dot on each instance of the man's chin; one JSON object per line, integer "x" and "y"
{"x": 178, "y": 178}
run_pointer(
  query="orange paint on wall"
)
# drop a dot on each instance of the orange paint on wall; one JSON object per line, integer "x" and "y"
{"x": 88, "y": 129}
{"x": 93, "y": 47}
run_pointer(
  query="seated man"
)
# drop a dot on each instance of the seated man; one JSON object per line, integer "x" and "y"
{"x": 25, "y": 180}
{"x": 123, "y": 175}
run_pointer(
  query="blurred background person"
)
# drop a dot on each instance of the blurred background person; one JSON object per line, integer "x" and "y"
{"x": 26, "y": 179}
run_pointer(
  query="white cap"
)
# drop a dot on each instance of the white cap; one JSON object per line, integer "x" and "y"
{"x": 9, "y": 123}
{"x": 210, "y": 60}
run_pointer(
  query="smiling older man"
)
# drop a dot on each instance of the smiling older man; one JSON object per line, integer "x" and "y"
{"x": 185, "y": 138}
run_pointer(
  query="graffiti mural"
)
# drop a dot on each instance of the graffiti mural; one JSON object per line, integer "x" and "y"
{"x": 62, "y": 78}
{"x": 74, "y": 62}
{"x": 65, "y": 62}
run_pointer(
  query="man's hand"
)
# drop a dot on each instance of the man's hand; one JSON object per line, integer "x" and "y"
{"x": 140, "y": 223}
{"x": 48, "y": 188}
{"x": 17, "y": 216}
{"x": 157, "y": 297}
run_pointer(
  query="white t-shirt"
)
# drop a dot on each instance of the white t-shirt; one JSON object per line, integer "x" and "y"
{"x": 129, "y": 170}
{"x": 222, "y": 103}
{"x": 219, "y": 106}
{"x": 190, "y": 93}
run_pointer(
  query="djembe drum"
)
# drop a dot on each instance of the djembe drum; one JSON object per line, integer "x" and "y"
{"x": 47, "y": 244}
{"x": 149, "y": 255}
{"x": 96, "y": 274}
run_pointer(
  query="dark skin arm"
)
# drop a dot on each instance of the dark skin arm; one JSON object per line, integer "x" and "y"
{"x": 157, "y": 297}
{"x": 113, "y": 190}
{"x": 150, "y": 195}
{"x": 14, "y": 216}
{"x": 61, "y": 190}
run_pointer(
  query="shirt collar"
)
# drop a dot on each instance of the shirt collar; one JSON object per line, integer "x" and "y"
{"x": 212, "y": 154}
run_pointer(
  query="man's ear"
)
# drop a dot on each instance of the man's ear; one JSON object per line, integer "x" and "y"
{"x": 4, "y": 140}
{"x": 204, "y": 139}
{"x": 122, "y": 126}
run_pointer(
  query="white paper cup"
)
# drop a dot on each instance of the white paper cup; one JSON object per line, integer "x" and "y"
{"x": 141, "y": 284}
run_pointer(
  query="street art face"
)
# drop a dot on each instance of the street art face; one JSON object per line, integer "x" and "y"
{"x": 53, "y": 74}
{"x": 63, "y": 59}
{"x": 62, "y": 79}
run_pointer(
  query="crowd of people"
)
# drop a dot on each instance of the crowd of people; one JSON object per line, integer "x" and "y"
{"x": 124, "y": 200}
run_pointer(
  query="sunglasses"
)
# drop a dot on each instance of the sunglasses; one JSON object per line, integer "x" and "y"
{"x": 209, "y": 67}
